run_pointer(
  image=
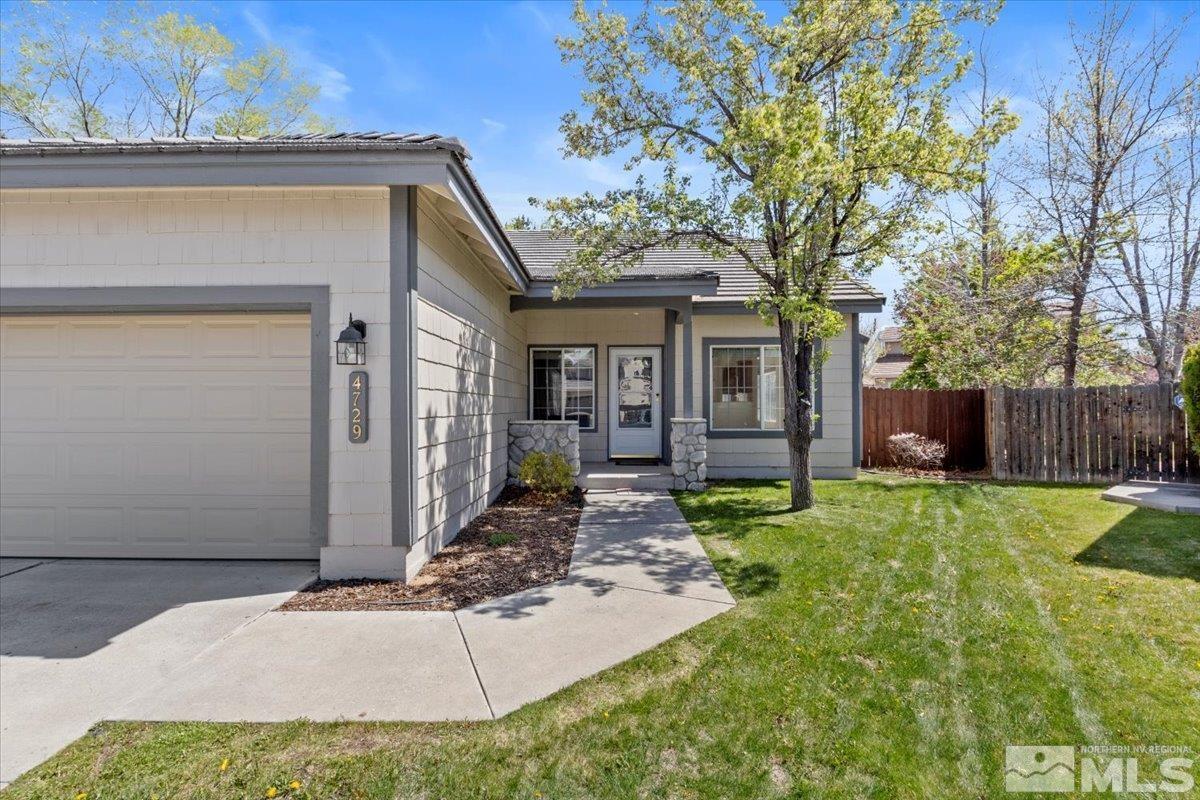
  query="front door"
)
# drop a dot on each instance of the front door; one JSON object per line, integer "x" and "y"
{"x": 635, "y": 402}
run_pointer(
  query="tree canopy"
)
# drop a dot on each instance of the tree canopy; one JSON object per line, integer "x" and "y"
{"x": 821, "y": 136}
{"x": 135, "y": 75}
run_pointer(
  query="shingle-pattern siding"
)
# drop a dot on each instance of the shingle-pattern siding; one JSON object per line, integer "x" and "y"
{"x": 471, "y": 383}
{"x": 229, "y": 237}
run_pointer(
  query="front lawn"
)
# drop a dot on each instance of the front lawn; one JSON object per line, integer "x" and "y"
{"x": 887, "y": 644}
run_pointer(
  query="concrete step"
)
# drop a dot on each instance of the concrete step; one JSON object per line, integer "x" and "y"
{"x": 1164, "y": 497}
{"x": 625, "y": 476}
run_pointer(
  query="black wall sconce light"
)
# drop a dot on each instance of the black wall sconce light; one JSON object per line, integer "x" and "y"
{"x": 352, "y": 343}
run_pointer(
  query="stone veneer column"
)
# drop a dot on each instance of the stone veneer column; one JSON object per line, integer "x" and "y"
{"x": 526, "y": 436}
{"x": 689, "y": 452}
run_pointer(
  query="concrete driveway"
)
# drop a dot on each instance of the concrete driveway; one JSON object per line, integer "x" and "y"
{"x": 80, "y": 637}
{"x": 82, "y": 641}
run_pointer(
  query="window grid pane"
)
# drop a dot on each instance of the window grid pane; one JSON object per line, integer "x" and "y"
{"x": 562, "y": 384}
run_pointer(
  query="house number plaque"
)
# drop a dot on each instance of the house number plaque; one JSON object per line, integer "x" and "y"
{"x": 358, "y": 407}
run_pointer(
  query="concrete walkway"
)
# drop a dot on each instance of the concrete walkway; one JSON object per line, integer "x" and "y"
{"x": 1179, "y": 498}
{"x": 638, "y": 577}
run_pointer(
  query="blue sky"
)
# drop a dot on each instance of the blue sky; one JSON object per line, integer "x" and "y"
{"x": 490, "y": 73}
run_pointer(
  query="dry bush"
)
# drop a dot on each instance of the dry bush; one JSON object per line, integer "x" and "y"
{"x": 913, "y": 451}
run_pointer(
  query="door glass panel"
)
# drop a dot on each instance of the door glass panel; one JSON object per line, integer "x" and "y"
{"x": 635, "y": 391}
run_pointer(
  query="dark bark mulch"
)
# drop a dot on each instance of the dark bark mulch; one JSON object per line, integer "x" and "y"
{"x": 531, "y": 541}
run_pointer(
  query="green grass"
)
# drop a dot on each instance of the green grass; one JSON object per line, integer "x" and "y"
{"x": 887, "y": 643}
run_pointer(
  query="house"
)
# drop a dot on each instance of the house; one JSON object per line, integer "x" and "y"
{"x": 884, "y": 358}
{"x": 170, "y": 386}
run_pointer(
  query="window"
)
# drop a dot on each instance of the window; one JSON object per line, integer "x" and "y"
{"x": 747, "y": 388}
{"x": 563, "y": 384}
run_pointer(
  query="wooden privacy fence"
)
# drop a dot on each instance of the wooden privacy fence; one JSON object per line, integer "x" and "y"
{"x": 1102, "y": 434}
{"x": 956, "y": 417}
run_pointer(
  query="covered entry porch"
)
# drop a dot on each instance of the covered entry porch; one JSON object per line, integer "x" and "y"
{"x": 617, "y": 360}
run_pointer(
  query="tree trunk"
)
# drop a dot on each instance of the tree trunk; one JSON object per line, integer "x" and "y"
{"x": 798, "y": 411}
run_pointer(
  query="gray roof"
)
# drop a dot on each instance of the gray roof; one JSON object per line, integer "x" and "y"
{"x": 297, "y": 142}
{"x": 541, "y": 252}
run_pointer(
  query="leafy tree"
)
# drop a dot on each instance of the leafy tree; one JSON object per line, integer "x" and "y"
{"x": 1191, "y": 393}
{"x": 167, "y": 75}
{"x": 58, "y": 74}
{"x": 969, "y": 327}
{"x": 826, "y": 134}
{"x": 519, "y": 223}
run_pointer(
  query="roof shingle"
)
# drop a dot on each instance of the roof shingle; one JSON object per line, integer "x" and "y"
{"x": 541, "y": 253}
{"x": 291, "y": 142}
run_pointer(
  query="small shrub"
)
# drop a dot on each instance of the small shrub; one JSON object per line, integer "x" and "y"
{"x": 913, "y": 451}
{"x": 1191, "y": 393}
{"x": 547, "y": 473}
{"x": 501, "y": 539}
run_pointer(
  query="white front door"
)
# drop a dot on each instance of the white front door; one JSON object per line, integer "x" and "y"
{"x": 635, "y": 402}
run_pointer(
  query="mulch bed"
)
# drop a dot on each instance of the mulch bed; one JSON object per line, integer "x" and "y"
{"x": 470, "y": 569}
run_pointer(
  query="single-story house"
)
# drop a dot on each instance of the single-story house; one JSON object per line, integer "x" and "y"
{"x": 170, "y": 311}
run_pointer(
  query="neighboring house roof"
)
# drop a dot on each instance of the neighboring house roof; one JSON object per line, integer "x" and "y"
{"x": 889, "y": 367}
{"x": 890, "y": 334}
{"x": 541, "y": 251}
{"x": 298, "y": 142}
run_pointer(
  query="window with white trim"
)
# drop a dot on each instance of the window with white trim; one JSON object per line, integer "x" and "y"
{"x": 562, "y": 384}
{"x": 747, "y": 387}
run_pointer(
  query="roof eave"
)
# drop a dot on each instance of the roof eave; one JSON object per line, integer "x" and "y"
{"x": 704, "y": 285}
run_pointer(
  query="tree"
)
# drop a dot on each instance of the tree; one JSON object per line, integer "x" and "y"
{"x": 1116, "y": 102}
{"x": 966, "y": 325}
{"x": 1152, "y": 275}
{"x": 519, "y": 223}
{"x": 58, "y": 75}
{"x": 1191, "y": 393}
{"x": 826, "y": 134}
{"x": 168, "y": 75}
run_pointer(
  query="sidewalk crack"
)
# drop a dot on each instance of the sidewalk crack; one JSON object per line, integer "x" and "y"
{"x": 474, "y": 668}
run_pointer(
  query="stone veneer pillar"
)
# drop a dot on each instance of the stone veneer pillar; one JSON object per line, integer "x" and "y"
{"x": 526, "y": 436}
{"x": 689, "y": 452}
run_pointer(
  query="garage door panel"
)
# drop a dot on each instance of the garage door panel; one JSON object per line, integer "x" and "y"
{"x": 156, "y": 436}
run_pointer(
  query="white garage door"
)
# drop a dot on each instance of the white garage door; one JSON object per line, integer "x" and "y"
{"x": 155, "y": 436}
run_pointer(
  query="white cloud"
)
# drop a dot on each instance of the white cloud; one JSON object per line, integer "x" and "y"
{"x": 539, "y": 16}
{"x": 330, "y": 81}
{"x": 494, "y": 128}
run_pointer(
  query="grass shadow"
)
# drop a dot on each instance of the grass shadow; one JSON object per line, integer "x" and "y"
{"x": 749, "y": 579}
{"x": 1151, "y": 542}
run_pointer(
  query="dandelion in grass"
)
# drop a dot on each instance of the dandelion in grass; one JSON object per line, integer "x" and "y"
{"x": 272, "y": 791}
{"x": 224, "y": 764}
{"x": 294, "y": 785}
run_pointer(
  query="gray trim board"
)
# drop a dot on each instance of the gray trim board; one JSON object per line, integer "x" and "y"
{"x": 856, "y": 398}
{"x": 522, "y": 303}
{"x": 147, "y": 170}
{"x": 182, "y": 299}
{"x": 707, "y": 343}
{"x": 689, "y": 389}
{"x": 402, "y": 300}
{"x": 476, "y": 206}
{"x": 595, "y": 382}
{"x": 669, "y": 322}
{"x": 664, "y": 287}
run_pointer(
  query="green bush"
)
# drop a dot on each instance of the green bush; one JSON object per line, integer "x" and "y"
{"x": 1191, "y": 393}
{"x": 547, "y": 473}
